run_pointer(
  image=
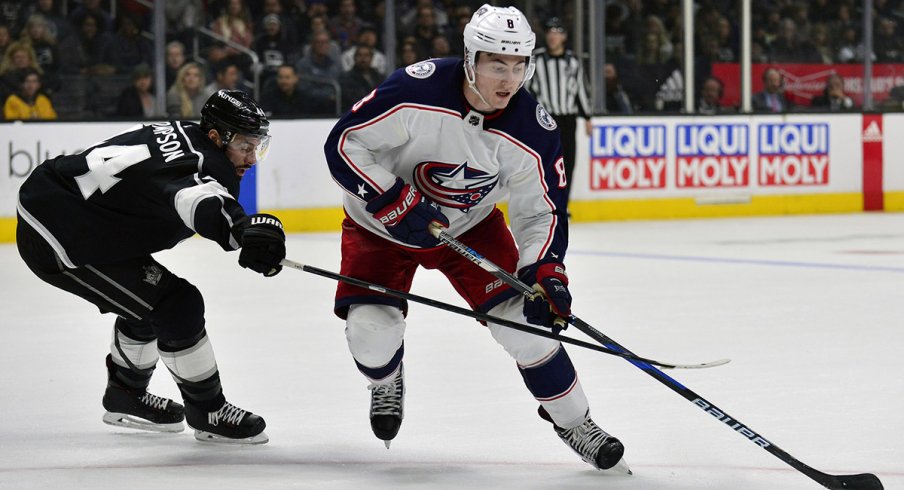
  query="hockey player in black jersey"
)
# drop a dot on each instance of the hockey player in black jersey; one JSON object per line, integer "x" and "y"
{"x": 88, "y": 224}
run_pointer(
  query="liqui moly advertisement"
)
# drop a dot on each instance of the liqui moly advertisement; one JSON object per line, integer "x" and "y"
{"x": 693, "y": 156}
{"x": 793, "y": 154}
{"x": 628, "y": 157}
{"x": 712, "y": 155}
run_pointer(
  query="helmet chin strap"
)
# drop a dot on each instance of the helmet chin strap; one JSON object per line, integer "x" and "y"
{"x": 472, "y": 84}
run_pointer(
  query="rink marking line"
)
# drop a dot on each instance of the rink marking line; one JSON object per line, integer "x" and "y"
{"x": 722, "y": 260}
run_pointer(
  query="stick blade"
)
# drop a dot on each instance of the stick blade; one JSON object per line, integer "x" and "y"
{"x": 865, "y": 481}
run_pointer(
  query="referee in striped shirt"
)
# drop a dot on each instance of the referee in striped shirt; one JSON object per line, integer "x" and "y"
{"x": 558, "y": 84}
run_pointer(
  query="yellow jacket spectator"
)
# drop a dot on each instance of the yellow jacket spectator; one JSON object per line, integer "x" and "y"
{"x": 28, "y": 102}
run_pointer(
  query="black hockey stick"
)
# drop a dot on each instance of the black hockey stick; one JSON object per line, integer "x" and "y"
{"x": 864, "y": 481}
{"x": 492, "y": 319}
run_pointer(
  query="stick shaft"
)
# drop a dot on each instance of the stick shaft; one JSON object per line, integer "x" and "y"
{"x": 864, "y": 481}
{"x": 487, "y": 318}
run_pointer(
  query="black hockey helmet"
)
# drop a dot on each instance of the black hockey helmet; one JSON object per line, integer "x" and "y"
{"x": 233, "y": 112}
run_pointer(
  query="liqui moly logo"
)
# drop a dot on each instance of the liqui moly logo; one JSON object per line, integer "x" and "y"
{"x": 793, "y": 154}
{"x": 712, "y": 155}
{"x": 627, "y": 157}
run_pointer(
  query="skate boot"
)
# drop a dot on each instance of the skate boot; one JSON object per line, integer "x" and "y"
{"x": 592, "y": 444}
{"x": 141, "y": 410}
{"x": 229, "y": 424}
{"x": 386, "y": 407}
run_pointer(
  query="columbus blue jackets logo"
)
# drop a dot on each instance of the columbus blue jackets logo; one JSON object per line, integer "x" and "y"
{"x": 454, "y": 185}
{"x": 421, "y": 69}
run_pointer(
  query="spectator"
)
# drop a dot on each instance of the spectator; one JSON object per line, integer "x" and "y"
{"x": 772, "y": 98}
{"x": 182, "y": 17}
{"x": 186, "y": 97}
{"x": 440, "y": 47}
{"x": 318, "y": 24}
{"x": 12, "y": 13}
{"x": 92, "y": 7}
{"x": 617, "y": 100}
{"x": 28, "y": 102}
{"x": 282, "y": 95}
{"x": 47, "y": 56}
{"x": 175, "y": 60}
{"x": 653, "y": 25}
{"x": 360, "y": 80}
{"x": 425, "y": 28}
{"x": 819, "y": 36}
{"x": 318, "y": 72}
{"x": 727, "y": 50}
{"x": 850, "y": 49}
{"x": 86, "y": 55}
{"x": 344, "y": 26}
{"x": 58, "y": 26}
{"x": 409, "y": 19}
{"x": 235, "y": 25}
{"x": 888, "y": 44}
{"x": 18, "y": 56}
{"x": 137, "y": 101}
{"x": 287, "y": 26}
{"x": 711, "y": 96}
{"x": 226, "y": 77}
{"x": 128, "y": 48}
{"x": 409, "y": 54}
{"x": 833, "y": 98}
{"x": 895, "y": 100}
{"x": 367, "y": 36}
{"x": 789, "y": 47}
{"x": 273, "y": 47}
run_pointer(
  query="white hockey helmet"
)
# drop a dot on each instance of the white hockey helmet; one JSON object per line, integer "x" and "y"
{"x": 499, "y": 30}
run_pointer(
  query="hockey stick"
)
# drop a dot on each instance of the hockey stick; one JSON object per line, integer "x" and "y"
{"x": 864, "y": 481}
{"x": 490, "y": 318}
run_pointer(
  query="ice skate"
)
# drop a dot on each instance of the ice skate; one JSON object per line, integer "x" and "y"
{"x": 593, "y": 445}
{"x": 386, "y": 407}
{"x": 141, "y": 410}
{"x": 229, "y": 425}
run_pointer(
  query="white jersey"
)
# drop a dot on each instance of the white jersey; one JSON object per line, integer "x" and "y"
{"x": 418, "y": 126}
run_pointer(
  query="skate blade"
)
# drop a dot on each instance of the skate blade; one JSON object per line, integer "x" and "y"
{"x": 620, "y": 468}
{"x": 132, "y": 422}
{"x": 387, "y": 443}
{"x": 218, "y": 439}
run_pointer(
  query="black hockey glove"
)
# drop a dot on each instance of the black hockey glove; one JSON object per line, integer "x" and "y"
{"x": 407, "y": 215}
{"x": 553, "y": 303}
{"x": 263, "y": 243}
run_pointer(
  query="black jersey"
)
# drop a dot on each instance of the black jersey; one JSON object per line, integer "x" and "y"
{"x": 139, "y": 192}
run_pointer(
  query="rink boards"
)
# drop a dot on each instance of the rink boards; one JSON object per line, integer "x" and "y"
{"x": 628, "y": 168}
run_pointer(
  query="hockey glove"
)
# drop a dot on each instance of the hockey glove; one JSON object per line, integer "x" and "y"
{"x": 407, "y": 215}
{"x": 553, "y": 302}
{"x": 263, "y": 243}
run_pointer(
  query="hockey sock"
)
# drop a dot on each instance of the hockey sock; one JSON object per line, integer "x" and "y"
{"x": 194, "y": 367}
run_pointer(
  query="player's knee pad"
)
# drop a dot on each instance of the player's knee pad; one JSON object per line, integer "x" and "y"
{"x": 179, "y": 315}
{"x": 374, "y": 333}
{"x": 525, "y": 348}
{"x": 134, "y": 345}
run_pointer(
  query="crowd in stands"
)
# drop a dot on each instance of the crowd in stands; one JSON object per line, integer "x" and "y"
{"x": 95, "y": 58}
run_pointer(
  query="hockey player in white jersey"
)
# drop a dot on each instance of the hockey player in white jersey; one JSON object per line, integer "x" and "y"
{"x": 439, "y": 143}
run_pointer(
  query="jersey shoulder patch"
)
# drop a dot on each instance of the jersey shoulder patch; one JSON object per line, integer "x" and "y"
{"x": 421, "y": 69}
{"x": 545, "y": 119}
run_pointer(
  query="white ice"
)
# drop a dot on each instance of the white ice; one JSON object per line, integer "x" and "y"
{"x": 809, "y": 309}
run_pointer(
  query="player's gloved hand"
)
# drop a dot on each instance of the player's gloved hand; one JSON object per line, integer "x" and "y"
{"x": 407, "y": 215}
{"x": 263, "y": 243}
{"x": 553, "y": 303}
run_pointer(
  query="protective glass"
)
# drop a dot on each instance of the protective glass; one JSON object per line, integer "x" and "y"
{"x": 251, "y": 146}
{"x": 496, "y": 70}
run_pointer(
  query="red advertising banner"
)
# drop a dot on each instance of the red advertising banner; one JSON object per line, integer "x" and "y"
{"x": 805, "y": 81}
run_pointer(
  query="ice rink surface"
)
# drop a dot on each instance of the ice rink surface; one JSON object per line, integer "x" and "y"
{"x": 809, "y": 309}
